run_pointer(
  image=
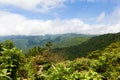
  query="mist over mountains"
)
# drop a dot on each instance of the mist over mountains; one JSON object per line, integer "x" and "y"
{"x": 59, "y": 40}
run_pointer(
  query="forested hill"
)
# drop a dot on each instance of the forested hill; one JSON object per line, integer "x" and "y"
{"x": 95, "y": 43}
{"x": 58, "y": 41}
{"x": 42, "y": 64}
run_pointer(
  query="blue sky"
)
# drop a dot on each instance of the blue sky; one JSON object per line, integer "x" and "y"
{"x": 39, "y": 17}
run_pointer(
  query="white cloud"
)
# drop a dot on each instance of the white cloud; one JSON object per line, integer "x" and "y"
{"x": 38, "y": 5}
{"x": 108, "y": 23}
{"x": 14, "y": 24}
{"x": 114, "y": 17}
{"x": 101, "y": 17}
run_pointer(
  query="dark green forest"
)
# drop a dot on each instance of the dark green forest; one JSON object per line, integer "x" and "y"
{"x": 95, "y": 43}
{"x": 94, "y": 58}
{"x": 59, "y": 40}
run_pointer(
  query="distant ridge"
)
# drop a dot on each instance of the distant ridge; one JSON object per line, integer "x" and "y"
{"x": 25, "y": 42}
{"x": 99, "y": 42}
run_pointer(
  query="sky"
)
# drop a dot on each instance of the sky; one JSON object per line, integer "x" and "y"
{"x": 40, "y": 17}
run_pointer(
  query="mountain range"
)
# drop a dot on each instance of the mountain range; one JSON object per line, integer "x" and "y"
{"x": 71, "y": 45}
{"x": 58, "y": 40}
{"x": 99, "y": 42}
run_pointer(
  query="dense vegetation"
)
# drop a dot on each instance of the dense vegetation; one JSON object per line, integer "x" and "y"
{"x": 95, "y": 43}
{"x": 40, "y": 63}
{"x": 60, "y": 41}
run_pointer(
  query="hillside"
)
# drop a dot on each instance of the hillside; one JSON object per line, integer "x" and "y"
{"x": 95, "y": 43}
{"x": 58, "y": 41}
{"x": 97, "y": 65}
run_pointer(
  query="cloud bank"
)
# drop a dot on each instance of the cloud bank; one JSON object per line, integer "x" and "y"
{"x": 15, "y": 24}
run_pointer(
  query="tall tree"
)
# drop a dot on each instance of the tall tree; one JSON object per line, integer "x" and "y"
{"x": 8, "y": 44}
{"x": 48, "y": 45}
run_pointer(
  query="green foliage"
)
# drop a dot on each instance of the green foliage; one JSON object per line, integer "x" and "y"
{"x": 99, "y": 65}
{"x": 70, "y": 41}
{"x": 72, "y": 70}
{"x": 3, "y": 75}
{"x": 21, "y": 44}
{"x": 42, "y": 64}
{"x": 48, "y": 45}
{"x": 93, "y": 44}
{"x": 110, "y": 61}
{"x": 85, "y": 75}
{"x": 8, "y": 44}
{"x": 37, "y": 50}
{"x": 64, "y": 40}
{"x": 57, "y": 72}
{"x": 10, "y": 61}
{"x": 30, "y": 69}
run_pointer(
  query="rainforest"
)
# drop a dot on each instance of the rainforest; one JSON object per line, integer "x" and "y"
{"x": 95, "y": 58}
{"x": 59, "y": 39}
